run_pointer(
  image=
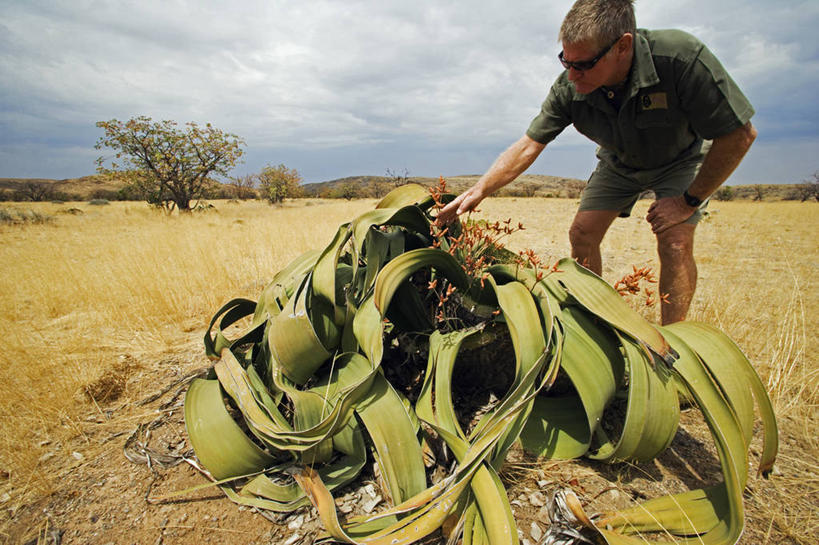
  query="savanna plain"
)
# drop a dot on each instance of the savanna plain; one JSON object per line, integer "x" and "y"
{"x": 103, "y": 309}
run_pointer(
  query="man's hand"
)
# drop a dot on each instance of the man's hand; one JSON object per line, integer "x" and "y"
{"x": 509, "y": 165}
{"x": 668, "y": 212}
{"x": 465, "y": 202}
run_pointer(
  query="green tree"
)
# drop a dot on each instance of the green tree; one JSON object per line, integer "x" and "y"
{"x": 167, "y": 165}
{"x": 347, "y": 190}
{"x": 279, "y": 183}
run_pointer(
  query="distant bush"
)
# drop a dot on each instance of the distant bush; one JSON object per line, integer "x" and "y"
{"x": 519, "y": 189}
{"x": 13, "y": 216}
{"x": 809, "y": 189}
{"x": 99, "y": 202}
{"x": 724, "y": 193}
{"x": 278, "y": 183}
{"x": 105, "y": 195}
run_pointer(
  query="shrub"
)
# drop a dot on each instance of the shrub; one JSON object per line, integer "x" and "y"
{"x": 724, "y": 193}
{"x": 99, "y": 202}
{"x": 278, "y": 183}
{"x": 13, "y": 216}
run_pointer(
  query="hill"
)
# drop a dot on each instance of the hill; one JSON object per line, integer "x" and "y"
{"x": 74, "y": 189}
{"x": 528, "y": 185}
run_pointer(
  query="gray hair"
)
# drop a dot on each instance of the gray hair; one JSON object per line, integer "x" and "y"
{"x": 599, "y": 21}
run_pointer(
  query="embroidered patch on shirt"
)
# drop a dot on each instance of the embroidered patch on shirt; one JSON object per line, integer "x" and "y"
{"x": 654, "y": 101}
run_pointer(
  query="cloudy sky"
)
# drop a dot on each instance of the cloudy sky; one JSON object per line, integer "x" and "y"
{"x": 337, "y": 88}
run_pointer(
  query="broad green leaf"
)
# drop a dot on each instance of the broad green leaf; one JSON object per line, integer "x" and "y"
{"x": 218, "y": 442}
{"x": 600, "y": 299}
{"x": 735, "y": 374}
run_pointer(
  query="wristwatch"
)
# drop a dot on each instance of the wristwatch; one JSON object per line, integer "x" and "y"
{"x": 691, "y": 200}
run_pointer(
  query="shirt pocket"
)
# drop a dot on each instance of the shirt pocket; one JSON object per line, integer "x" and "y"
{"x": 653, "y": 119}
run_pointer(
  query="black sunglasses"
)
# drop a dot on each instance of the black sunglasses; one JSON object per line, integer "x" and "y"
{"x": 586, "y": 65}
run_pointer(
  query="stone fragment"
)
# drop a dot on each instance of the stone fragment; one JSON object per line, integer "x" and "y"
{"x": 537, "y": 499}
{"x": 535, "y": 532}
{"x": 369, "y": 505}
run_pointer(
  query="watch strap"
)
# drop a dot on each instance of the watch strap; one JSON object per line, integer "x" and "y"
{"x": 691, "y": 200}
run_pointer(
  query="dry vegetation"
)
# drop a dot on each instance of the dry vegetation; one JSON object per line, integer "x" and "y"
{"x": 101, "y": 308}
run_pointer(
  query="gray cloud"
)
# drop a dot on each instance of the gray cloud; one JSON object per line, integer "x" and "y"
{"x": 337, "y": 88}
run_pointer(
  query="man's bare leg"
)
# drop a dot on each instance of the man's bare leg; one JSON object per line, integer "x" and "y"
{"x": 587, "y": 231}
{"x": 678, "y": 271}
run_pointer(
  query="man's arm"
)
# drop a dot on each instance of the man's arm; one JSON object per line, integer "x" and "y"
{"x": 509, "y": 165}
{"x": 721, "y": 160}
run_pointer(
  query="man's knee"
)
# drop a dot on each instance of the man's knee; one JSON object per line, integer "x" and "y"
{"x": 676, "y": 243}
{"x": 583, "y": 234}
{"x": 579, "y": 236}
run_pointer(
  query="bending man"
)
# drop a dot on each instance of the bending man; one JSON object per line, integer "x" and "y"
{"x": 649, "y": 99}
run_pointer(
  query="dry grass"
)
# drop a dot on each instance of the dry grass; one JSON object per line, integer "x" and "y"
{"x": 84, "y": 297}
{"x": 80, "y": 293}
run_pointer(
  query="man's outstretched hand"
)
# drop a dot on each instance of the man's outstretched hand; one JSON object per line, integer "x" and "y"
{"x": 465, "y": 202}
{"x": 668, "y": 212}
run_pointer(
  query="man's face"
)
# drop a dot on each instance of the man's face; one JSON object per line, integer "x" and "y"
{"x": 604, "y": 72}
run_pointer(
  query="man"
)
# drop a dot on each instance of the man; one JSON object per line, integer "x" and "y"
{"x": 649, "y": 99}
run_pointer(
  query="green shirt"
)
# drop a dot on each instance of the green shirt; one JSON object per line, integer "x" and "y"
{"x": 676, "y": 95}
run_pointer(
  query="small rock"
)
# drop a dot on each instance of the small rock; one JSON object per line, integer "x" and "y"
{"x": 537, "y": 499}
{"x": 5, "y": 497}
{"x": 535, "y": 532}
{"x": 543, "y": 516}
{"x": 369, "y": 505}
{"x": 292, "y": 539}
{"x": 77, "y": 456}
{"x": 296, "y": 523}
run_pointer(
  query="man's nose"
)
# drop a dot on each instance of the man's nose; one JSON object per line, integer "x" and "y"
{"x": 574, "y": 74}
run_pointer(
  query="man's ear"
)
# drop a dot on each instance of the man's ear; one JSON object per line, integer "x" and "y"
{"x": 626, "y": 43}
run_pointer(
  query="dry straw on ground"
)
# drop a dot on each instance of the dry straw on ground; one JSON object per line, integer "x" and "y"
{"x": 97, "y": 307}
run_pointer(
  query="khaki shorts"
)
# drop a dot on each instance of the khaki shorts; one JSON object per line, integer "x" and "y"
{"x": 618, "y": 189}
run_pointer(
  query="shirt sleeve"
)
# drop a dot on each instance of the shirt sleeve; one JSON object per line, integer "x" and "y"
{"x": 554, "y": 116}
{"x": 712, "y": 101}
